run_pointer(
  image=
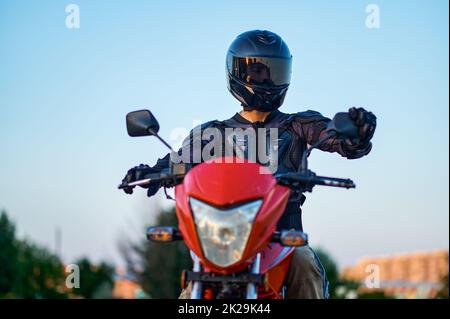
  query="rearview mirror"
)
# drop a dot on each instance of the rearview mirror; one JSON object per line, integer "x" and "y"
{"x": 343, "y": 126}
{"x": 142, "y": 123}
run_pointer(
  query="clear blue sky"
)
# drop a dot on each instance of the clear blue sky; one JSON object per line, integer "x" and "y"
{"x": 64, "y": 94}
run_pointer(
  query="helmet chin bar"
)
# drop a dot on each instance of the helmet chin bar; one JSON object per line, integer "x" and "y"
{"x": 249, "y": 108}
{"x": 251, "y": 99}
{"x": 272, "y": 106}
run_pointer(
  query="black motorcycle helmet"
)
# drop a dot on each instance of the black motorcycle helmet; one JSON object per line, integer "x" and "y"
{"x": 259, "y": 66}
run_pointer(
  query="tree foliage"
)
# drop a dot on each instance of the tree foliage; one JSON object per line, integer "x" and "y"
{"x": 30, "y": 271}
{"x": 96, "y": 281}
{"x": 158, "y": 266}
{"x": 27, "y": 271}
{"x": 40, "y": 274}
{"x": 443, "y": 292}
{"x": 8, "y": 254}
{"x": 342, "y": 288}
{"x": 331, "y": 270}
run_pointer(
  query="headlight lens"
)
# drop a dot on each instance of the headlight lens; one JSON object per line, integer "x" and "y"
{"x": 223, "y": 233}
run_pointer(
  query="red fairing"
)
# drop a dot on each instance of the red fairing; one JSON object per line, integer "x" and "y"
{"x": 275, "y": 261}
{"x": 226, "y": 182}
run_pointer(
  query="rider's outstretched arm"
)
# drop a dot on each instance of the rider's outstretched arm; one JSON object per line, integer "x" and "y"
{"x": 311, "y": 126}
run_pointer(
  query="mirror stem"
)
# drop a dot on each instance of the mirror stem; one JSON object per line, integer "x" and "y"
{"x": 152, "y": 132}
{"x": 304, "y": 163}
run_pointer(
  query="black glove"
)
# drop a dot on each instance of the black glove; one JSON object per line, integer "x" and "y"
{"x": 138, "y": 173}
{"x": 366, "y": 123}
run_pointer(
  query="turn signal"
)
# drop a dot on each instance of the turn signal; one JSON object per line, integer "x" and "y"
{"x": 293, "y": 238}
{"x": 163, "y": 234}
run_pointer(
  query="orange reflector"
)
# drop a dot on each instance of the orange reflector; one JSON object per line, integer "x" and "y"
{"x": 183, "y": 279}
{"x": 266, "y": 282}
{"x": 293, "y": 238}
{"x": 208, "y": 294}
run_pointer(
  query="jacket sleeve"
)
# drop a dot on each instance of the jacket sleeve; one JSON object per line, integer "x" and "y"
{"x": 191, "y": 148}
{"x": 311, "y": 125}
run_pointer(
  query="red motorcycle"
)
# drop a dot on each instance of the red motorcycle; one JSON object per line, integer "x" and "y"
{"x": 227, "y": 215}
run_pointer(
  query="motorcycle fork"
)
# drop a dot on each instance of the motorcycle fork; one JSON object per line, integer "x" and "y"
{"x": 251, "y": 288}
{"x": 197, "y": 290}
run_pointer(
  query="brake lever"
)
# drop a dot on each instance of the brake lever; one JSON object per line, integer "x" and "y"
{"x": 135, "y": 183}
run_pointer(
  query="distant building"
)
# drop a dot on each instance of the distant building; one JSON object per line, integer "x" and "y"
{"x": 126, "y": 286}
{"x": 413, "y": 275}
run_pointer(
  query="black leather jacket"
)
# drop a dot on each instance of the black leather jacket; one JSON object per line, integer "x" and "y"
{"x": 295, "y": 133}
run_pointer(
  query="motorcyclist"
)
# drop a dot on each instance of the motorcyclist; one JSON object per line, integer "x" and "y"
{"x": 259, "y": 68}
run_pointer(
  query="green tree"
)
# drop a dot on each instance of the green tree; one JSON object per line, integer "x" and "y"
{"x": 40, "y": 274}
{"x": 8, "y": 255}
{"x": 158, "y": 266}
{"x": 340, "y": 288}
{"x": 443, "y": 293}
{"x": 30, "y": 271}
{"x": 96, "y": 281}
{"x": 27, "y": 271}
{"x": 331, "y": 269}
{"x": 377, "y": 294}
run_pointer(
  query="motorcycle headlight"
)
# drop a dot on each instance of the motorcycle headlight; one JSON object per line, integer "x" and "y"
{"x": 223, "y": 233}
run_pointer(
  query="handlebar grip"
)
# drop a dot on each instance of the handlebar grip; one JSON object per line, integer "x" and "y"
{"x": 136, "y": 183}
{"x": 150, "y": 178}
{"x": 334, "y": 182}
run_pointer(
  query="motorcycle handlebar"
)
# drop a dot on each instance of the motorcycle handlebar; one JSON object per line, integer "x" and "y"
{"x": 309, "y": 180}
{"x": 334, "y": 182}
{"x": 141, "y": 182}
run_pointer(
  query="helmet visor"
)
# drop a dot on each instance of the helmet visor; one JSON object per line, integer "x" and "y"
{"x": 261, "y": 71}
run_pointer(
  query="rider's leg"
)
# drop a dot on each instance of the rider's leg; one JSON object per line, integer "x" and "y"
{"x": 306, "y": 278}
{"x": 186, "y": 292}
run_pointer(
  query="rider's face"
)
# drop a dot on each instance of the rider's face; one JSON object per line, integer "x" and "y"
{"x": 258, "y": 73}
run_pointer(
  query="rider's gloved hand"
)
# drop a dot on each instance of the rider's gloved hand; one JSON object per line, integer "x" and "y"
{"x": 138, "y": 173}
{"x": 366, "y": 123}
